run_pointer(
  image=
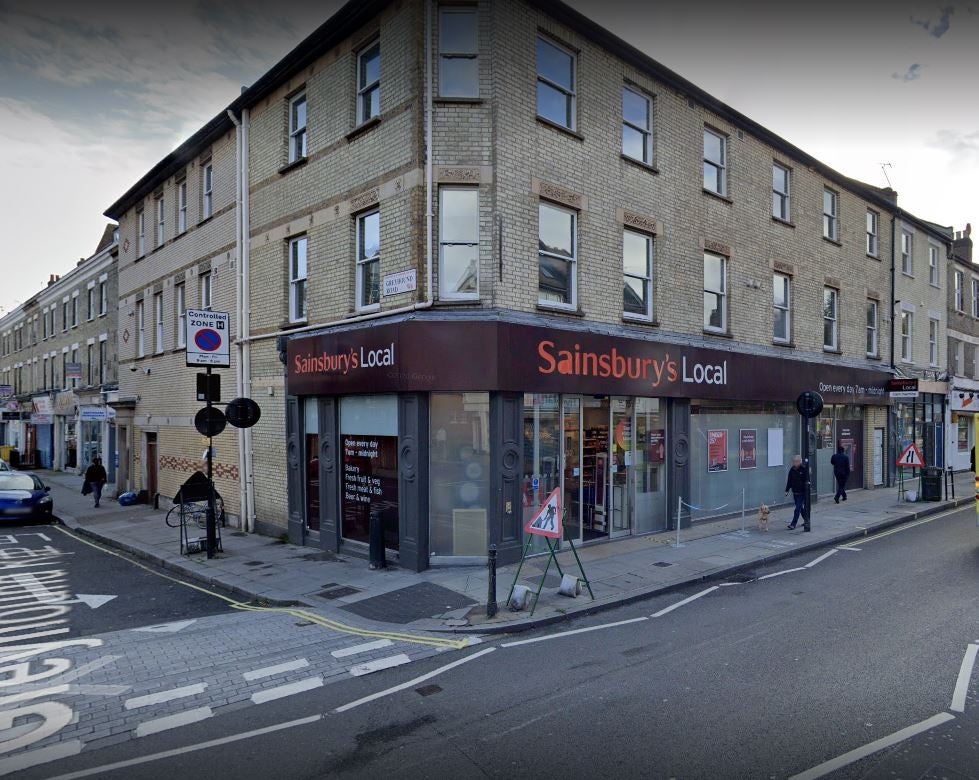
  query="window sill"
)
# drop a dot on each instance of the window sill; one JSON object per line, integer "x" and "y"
{"x": 366, "y": 310}
{"x": 874, "y": 357}
{"x": 873, "y": 257}
{"x": 722, "y": 198}
{"x": 832, "y": 241}
{"x": 293, "y": 325}
{"x": 786, "y": 344}
{"x": 905, "y": 273}
{"x": 721, "y": 334}
{"x": 210, "y": 217}
{"x": 636, "y": 319}
{"x": 449, "y": 100}
{"x": 363, "y": 127}
{"x": 292, "y": 166}
{"x": 474, "y": 301}
{"x": 559, "y": 127}
{"x": 553, "y": 308}
{"x": 936, "y": 286}
{"x": 781, "y": 221}
{"x": 640, "y": 164}
{"x": 832, "y": 351}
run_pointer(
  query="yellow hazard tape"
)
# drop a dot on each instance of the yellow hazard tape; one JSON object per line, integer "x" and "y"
{"x": 312, "y": 617}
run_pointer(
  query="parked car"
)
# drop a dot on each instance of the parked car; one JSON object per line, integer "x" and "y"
{"x": 24, "y": 495}
{"x": 4, "y": 466}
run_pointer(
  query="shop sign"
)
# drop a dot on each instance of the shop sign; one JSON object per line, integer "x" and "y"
{"x": 6, "y": 391}
{"x": 65, "y": 403}
{"x": 73, "y": 370}
{"x": 13, "y": 405}
{"x": 902, "y": 388}
{"x": 748, "y": 451}
{"x": 403, "y": 281}
{"x": 42, "y": 419}
{"x": 717, "y": 450}
{"x": 43, "y": 405}
{"x": 964, "y": 400}
{"x": 92, "y": 414}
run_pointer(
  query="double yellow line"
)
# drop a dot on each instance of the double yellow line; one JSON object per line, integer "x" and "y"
{"x": 302, "y": 614}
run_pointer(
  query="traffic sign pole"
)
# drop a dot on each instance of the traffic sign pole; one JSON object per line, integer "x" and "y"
{"x": 211, "y": 525}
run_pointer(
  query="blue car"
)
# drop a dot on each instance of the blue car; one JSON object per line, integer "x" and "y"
{"x": 23, "y": 495}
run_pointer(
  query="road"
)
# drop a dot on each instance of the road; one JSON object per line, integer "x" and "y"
{"x": 806, "y": 668}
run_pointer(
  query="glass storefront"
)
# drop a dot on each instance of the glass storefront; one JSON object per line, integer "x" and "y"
{"x": 91, "y": 442}
{"x": 839, "y": 424}
{"x": 311, "y": 463}
{"x": 920, "y": 420}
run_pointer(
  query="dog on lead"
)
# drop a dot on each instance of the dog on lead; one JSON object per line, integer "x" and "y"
{"x": 763, "y": 513}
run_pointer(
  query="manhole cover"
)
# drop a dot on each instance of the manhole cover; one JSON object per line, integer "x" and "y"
{"x": 254, "y": 563}
{"x": 662, "y": 564}
{"x": 427, "y": 690}
{"x": 337, "y": 593}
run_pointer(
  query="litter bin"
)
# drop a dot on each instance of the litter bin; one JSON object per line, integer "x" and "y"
{"x": 931, "y": 484}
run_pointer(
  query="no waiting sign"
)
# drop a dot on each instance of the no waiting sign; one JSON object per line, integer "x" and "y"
{"x": 208, "y": 335}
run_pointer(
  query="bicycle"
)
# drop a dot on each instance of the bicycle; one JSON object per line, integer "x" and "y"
{"x": 195, "y": 512}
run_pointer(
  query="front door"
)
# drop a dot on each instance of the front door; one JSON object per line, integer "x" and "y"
{"x": 878, "y": 456}
{"x": 151, "y": 465}
{"x": 849, "y": 434}
{"x": 622, "y": 469}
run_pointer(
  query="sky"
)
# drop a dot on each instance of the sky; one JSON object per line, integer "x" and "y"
{"x": 93, "y": 93}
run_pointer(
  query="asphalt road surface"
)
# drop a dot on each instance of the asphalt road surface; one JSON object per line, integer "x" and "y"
{"x": 854, "y": 665}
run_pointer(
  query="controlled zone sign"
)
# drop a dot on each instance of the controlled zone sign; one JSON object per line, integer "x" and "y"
{"x": 911, "y": 457}
{"x": 208, "y": 338}
{"x": 547, "y": 521}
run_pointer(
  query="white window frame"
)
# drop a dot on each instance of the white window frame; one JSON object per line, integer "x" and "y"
{"x": 907, "y": 253}
{"x": 298, "y": 246}
{"x": 646, "y": 132}
{"x": 446, "y": 54}
{"x": 90, "y": 303}
{"x": 182, "y": 207}
{"x": 362, "y": 261}
{"x": 934, "y": 278}
{"x": 158, "y": 322}
{"x": 783, "y": 199}
{"x": 873, "y": 233}
{"x": 74, "y": 310}
{"x": 572, "y": 261}
{"x": 103, "y": 356}
{"x": 449, "y": 294}
{"x": 140, "y": 234}
{"x": 103, "y": 297}
{"x": 831, "y": 293}
{"x": 720, "y": 167}
{"x": 933, "y": 333}
{"x": 161, "y": 221}
{"x": 205, "y": 290}
{"x": 831, "y": 218}
{"x": 140, "y": 329}
{"x": 180, "y": 303}
{"x": 365, "y": 88}
{"x": 872, "y": 326}
{"x": 958, "y": 282}
{"x": 207, "y": 194}
{"x": 722, "y": 293}
{"x": 907, "y": 338}
{"x": 570, "y": 92}
{"x": 298, "y": 135}
{"x": 647, "y": 280}
{"x": 786, "y": 282}
{"x": 975, "y": 298}
{"x": 90, "y": 364}
{"x": 64, "y": 316}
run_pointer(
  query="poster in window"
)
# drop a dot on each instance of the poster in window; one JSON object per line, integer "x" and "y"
{"x": 717, "y": 450}
{"x": 657, "y": 445}
{"x": 775, "y": 445}
{"x": 748, "y": 451}
{"x": 370, "y": 484}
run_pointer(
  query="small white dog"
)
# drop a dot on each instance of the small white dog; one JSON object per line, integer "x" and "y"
{"x": 763, "y": 513}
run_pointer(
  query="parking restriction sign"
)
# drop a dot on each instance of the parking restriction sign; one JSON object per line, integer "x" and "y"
{"x": 208, "y": 335}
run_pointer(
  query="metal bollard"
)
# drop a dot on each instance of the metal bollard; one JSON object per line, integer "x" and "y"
{"x": 377, "y": 541}
{"x": 491, "y": 595}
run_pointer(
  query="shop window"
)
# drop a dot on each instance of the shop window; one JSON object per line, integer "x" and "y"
{"x": 311, "y": 461}
{"x": 962, "y": 438}
{"x": 458, "y": 242}
{"x": 460, "y": 474}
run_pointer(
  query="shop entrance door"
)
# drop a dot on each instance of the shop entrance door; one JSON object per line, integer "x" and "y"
{"x": 621, "y": 469}
{"x": 849, "y": 434}
{"x": 596, "y": 519}
{"x": 878, "y": 456}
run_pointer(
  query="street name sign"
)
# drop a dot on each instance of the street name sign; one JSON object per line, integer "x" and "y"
{"x": 208, "y": 338}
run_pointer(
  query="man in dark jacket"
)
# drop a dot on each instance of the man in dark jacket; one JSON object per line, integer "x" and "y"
{"x": 96, "y": 478}
{"x": 798, "y": 483}
{"x": 841, "y": 470}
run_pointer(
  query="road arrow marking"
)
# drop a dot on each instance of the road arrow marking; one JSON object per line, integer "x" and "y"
{"x": 166, "y": 628}
{"x": 94, "y": 601}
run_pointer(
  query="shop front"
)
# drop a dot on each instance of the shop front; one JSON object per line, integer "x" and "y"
{"x": 450, "y": 433}
{"x": 42, "y": 421}
{"x": 66, "y": 431}
{"x": 963, "y": 406}
{"x": 920, "y": 419}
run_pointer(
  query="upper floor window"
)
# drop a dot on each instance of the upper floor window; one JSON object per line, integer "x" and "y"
{"x": 458, "y": 52}
{"x": 74, "y": 311}
{"x": 297, "y": 278}
{"x": 369, "y": 260}
{"x": 782, "y": 301}
{"x": 975, "y": 298}
{"x": 181, "y": 207}
{"x": 204, "y": 291}
{"x": 297, "y": 127}
{"x": 637, "y": 269}
{"x": 637, "y": 135}
{"x": 103, "y": 297}
{"x": 873, "y": 221}
{"x": 91, "y": 303}
{"x": 907, "y": 334}
{"x": 907, "y": 253}
{"x": 933, "y": 272}
{"x": 369, "y": 83}
{"x": 161, "y": 228}
{"x": 103, "y": 359}
{"x": 158, "y": 321}
{"x": 831, "y": 218}
{"x": 555, "y": 83}
{"x": 715, "y": 162}
{"x": 64, "y": 316}
{"x": 959, "y": 292}
{"x": 780, "y": 192}
{"x": 715, "y": 292}
{"x": 557, "y": 255}
{"x": 871, "y": 328}
{"x": 140, "y": 234}
{"x": 140, "y": 330}
{"x": 180, "y": 297}
{"x": 458, "y": 242}
{"x": 207, "y": 191}
{"x": 831, "y": 321}
{"x": 933, "y": 341}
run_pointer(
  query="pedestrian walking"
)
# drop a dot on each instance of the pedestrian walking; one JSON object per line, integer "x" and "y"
{"x": 798, "y": 483}
{"x": 95, "y": 478}
{"x": 841, "y": 470}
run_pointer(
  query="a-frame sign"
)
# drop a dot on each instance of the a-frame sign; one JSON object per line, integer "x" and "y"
{"x": 911, "y": 457}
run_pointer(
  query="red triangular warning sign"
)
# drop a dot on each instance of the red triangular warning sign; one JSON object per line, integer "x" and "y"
{"x": 547, "y": 521}
{"x": 911, "y": 457}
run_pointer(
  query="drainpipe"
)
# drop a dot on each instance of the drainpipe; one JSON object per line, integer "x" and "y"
{"x": 893, "y": 284}
{"x": 248, "y": 475}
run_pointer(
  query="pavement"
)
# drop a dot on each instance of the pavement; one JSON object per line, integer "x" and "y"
{"x": 453, "y": 599}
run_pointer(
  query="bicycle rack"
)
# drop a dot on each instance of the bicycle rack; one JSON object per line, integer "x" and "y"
{"x": 190, "y": 546}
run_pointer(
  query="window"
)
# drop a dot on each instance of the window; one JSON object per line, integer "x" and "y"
{"x": 780, "y": 193}
{"x": 103, "y": 348}
{"x": 871, "y": 328}
{"x": 637, "y": 268}
{"x": 369, "y": 83}
{"x": 715, "y": 292}
{"x": 44, "y": 374}
{"x": 975, "y": 298}
{"x": 74, "y": 311}
{"x": 458, "y": 242}
{"x": 297, "y": 279}
{"x": 205, "y": 290}
{"x": 161, "y": 225}
{"x": 180, "y": 297}
{"x": 637, "y": 136}
{"x": 140, "y": 234}
{"x": 103, "y": 298}
{"x": 77, "y": 367}
{"x": 872, "y": 223}
{"x": 181, "y": 207}
{"x": 140, "y": 334}
{"x": 907, "y": 330}
{"x": 932, "y": 341}
{"x": 91, "y": 364}
{"x": 91, "y": 304}
{"x": 458, "y": 50}
{"x": 907, "y": 254}
{"x": 933, "y": 265}
{"x": 158, "y": 320}
{"x": 959, "y": 292}
{"x": 369, "y": 260}
{"x": 715, "y": 162}
{"x": 44, "y": 326}
{"x": 557, "y": 255}
{"x": 831, "y": 333}
{"x": 555, "y": 84}
{"x": 64, "y": 369}
{"x": 831, "y": 206}
{"x": 297, "y": 128}
{"x": 782, "y": 301}
{"x": 207, "y": 206}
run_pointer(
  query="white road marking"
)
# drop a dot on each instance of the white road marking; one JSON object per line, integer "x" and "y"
{"x": 366, "y": 647}
{"x": 965, "y": 675}
{"x": 166, "y": 628}
{"x": 268, "y": 671}
{"x": 780, "y": 573}
{"x": 571, "y": 633}
{"x": 867, "y": 750}
{"x": 683, "y": 603}
{"x": 381, "y": 663}
{"x": 164, "y": 696}
{"x": 289, "y": 689}
{"x": 168, "y": 722}
{"x": 849, "y": 549}
{"x": 40, "y": 756}
{"x": 405, "y": 686}
{"x": 821, "y": 558}
{"x": 93, "y": 600}
{"x": 98, "y": 770}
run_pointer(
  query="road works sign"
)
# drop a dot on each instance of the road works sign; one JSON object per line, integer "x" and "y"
{"x": 911, "y": 457}
{"x": 208, "y": 338}
{"x": 547, "y": 521}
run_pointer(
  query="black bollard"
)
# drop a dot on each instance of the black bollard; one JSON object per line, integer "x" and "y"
{"x": 377, "y": 540}
{"x": 491, "y": 596}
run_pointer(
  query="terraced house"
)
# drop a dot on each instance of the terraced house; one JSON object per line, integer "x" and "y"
{"x": 488, "y": 250}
